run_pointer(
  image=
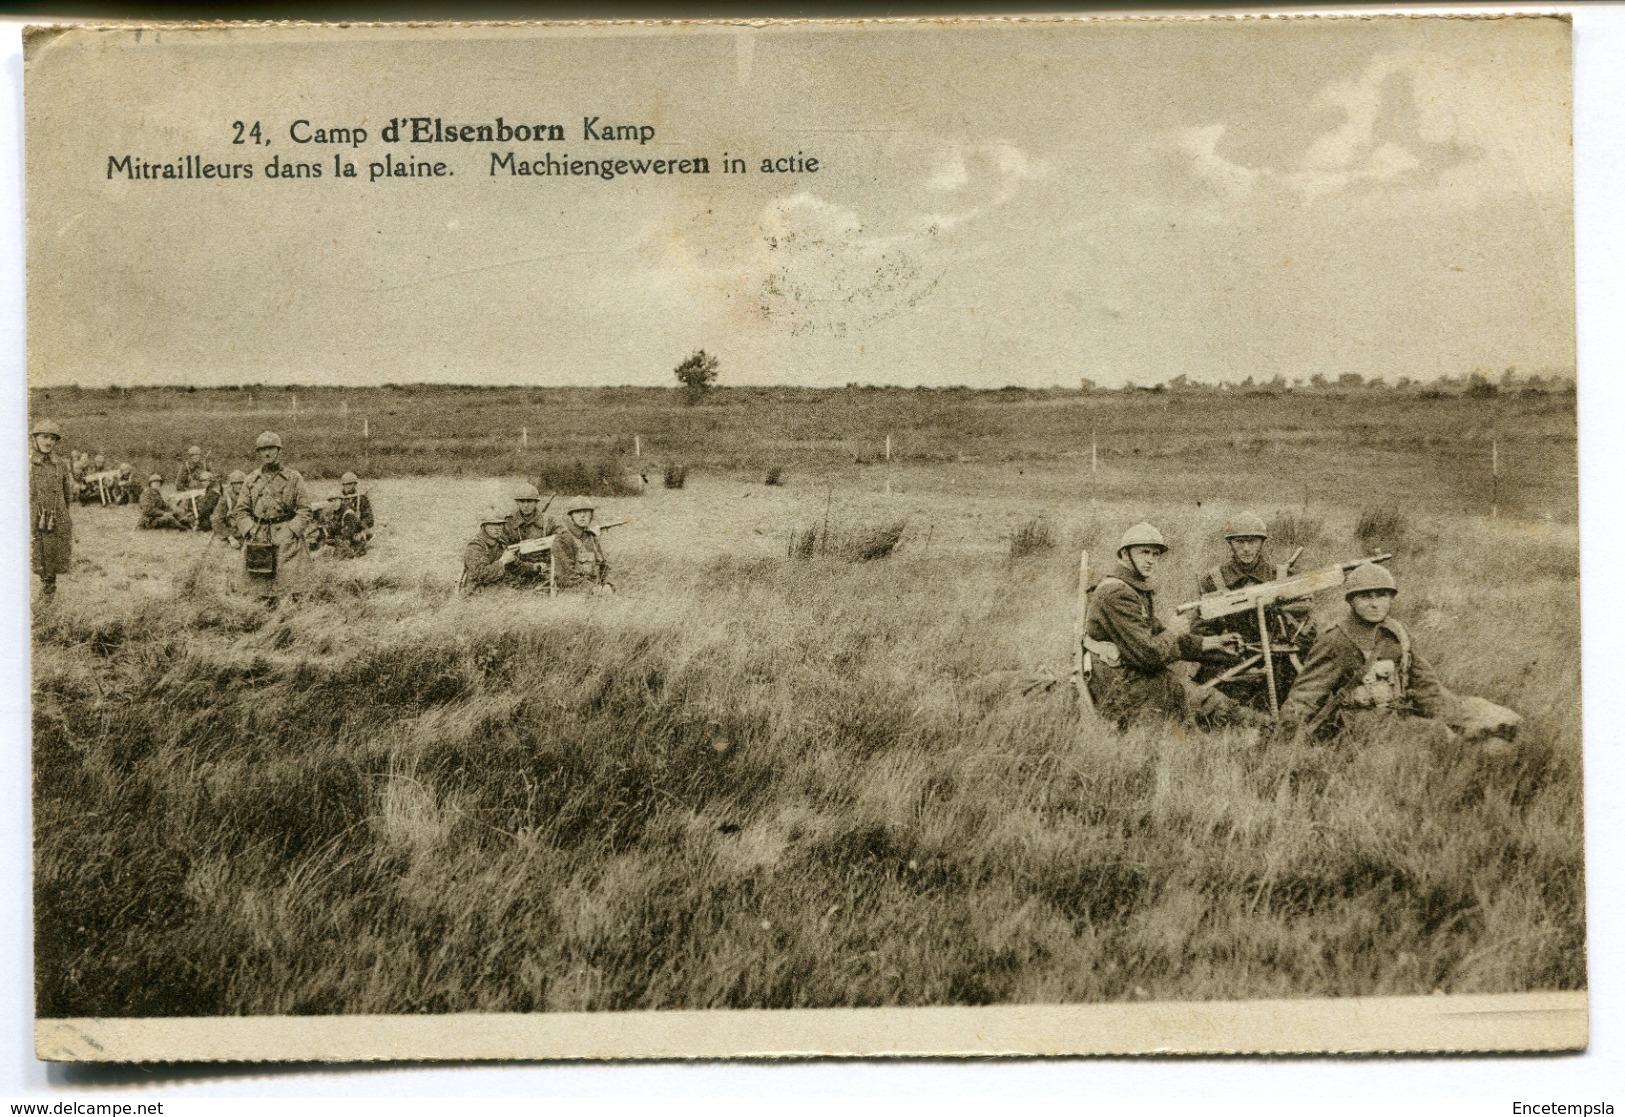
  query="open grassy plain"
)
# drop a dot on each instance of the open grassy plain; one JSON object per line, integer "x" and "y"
{"x": 757, "y": 780}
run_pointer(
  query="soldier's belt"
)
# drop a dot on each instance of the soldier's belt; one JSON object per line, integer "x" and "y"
{"x": 272, "y": 521}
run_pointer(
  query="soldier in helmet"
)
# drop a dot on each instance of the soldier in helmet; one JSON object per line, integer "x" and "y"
{"x": 489, "y": 559}
{"x": 129, "y": 487}
{"x": 230, "y": 494}
{"x": 209, "y": 502}
{"x": 1132, "y": 677}
{"x": 155, "y": 510}
{"x": 578, "y": 556}
{"x": 186, "y": 477}
{"x": 528, "y": 521}
{"x": 351, "y": 521}
{"x": 50, "y": 489}
{"x": 1290, "y": 623}
{"x": 271, "y": 518}
{"x": 1363, "y": 665}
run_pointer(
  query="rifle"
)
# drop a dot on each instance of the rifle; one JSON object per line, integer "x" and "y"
{"x": 1081, "y": 663}
{"x": 1258, "y": 600}
{"x": 594, "y": 529}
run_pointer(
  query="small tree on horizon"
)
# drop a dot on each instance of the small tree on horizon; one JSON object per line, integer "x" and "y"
{"x": 697, "y": 372}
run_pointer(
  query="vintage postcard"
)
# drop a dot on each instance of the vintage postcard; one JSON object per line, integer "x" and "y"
{"x": 804, "y": 538}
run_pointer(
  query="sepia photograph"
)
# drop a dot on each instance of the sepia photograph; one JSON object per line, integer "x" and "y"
{"x": 983, "y": 536}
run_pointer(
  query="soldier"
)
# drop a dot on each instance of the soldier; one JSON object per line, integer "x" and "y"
{"x": 271, "y": 518}
{"x": 209, "y": 502}
{"x": 351, "y": 524}
{"x": 50, "y": 488}
{"x": 186, "y": 476}
{"x": 528, "y": 522}
{"x": 1291, "y": 626}
{"x": 1363, "y": 665}
{"x": 85, "y": 467}
{"x": 128, "y": 488}
{"x": 1122, "y": 625}
{"x": 489, "y": 559}
{"x": 155, "y": 510}
{"x": 229, "y": 496}
{"x": 578, "y": 558}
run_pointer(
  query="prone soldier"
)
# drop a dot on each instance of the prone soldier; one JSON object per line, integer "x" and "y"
{"x": 155, "y": 510}
{"x": 50, "y": 489}
{"x": 271, "y": 518}
{"x": 1133, "y": 651}
{"x": 1363, "y": 666}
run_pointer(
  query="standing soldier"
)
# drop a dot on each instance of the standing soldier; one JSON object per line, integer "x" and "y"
{"x": 352, "y": 519}
{"x": 224, "y": 529}
{"x": 1362, "y": 666}
{"x": 271, "y": 518}
{"x": 1134, "y": 650}
{"x": 1290, "y": 623}
{"x": 155, "y": 510}
{"x": 577, "y": 555}
{"x": 187, "y": 476}
{"x": 50, "y": 488}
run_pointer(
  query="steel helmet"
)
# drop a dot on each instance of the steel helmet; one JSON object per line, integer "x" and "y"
{"x": 236, "y": 477}
{"x": 1142, "y": 535}
{"x": 158, "y": 477}
{"x": 526, "y": 491}
{"x": 349, "y": 478}
{"x": 580, "y": 504}
{"x": 204, "y": 475}
{"x": 124, "y": 467}
{"x": 194, "y": 451}
{"x": 99, "y": 458}
{"x": 493, "y": 515}
{"x": 1369, "y": 578}
{"x": 268, "y": 438}
{"x": 45, "y": 426}
{"x": 1246, "y": 526}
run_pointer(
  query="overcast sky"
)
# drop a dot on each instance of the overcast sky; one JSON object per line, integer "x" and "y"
{"x": 995, "y": 204}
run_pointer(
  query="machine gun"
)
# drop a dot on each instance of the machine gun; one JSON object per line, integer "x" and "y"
{"x": 185, "y": 504}
{"x": 1260, "y": 600}
{"x": 106, "y": 482}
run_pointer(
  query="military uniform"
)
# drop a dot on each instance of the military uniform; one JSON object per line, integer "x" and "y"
{"x": 351, "y": 524}
{"x": 578, "y": 558}
{"x": 1357, "y": 666}
{"x": 207, "y": 505}
{"x": 275, "y": 508}
{"x": 221, "y": 517}
{"x": 50, "y": 488}
{"x": 156, "y": 512}
{"x": 480, "y": 562}
{"x": 1122, "y": 612}
{"x": 186, "y": 475}
{"x": 518, "y": 528}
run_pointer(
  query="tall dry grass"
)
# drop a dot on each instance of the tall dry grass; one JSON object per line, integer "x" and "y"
{"x": 752, "y": 781}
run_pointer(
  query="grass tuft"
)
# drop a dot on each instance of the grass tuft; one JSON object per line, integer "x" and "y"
{"x": 1034, "y": 537}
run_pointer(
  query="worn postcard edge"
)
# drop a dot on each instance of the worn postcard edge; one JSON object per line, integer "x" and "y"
{"x": 1513, "y": 1022}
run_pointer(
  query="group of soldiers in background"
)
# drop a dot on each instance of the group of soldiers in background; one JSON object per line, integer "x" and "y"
{"x": 268, "y": 515}
{"x": 527, "y": 549}
{"x": 1362, "y": 666}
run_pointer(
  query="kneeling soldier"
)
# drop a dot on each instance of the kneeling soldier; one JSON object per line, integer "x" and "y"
{"x": 577, "y": 554}
{"x": 1133, "y": 679}
{"x": 155, "y": 510}
{"x": 224, "y": 530}
{"x": 1364, "y": 662}
{"x": 351, "y": 526}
